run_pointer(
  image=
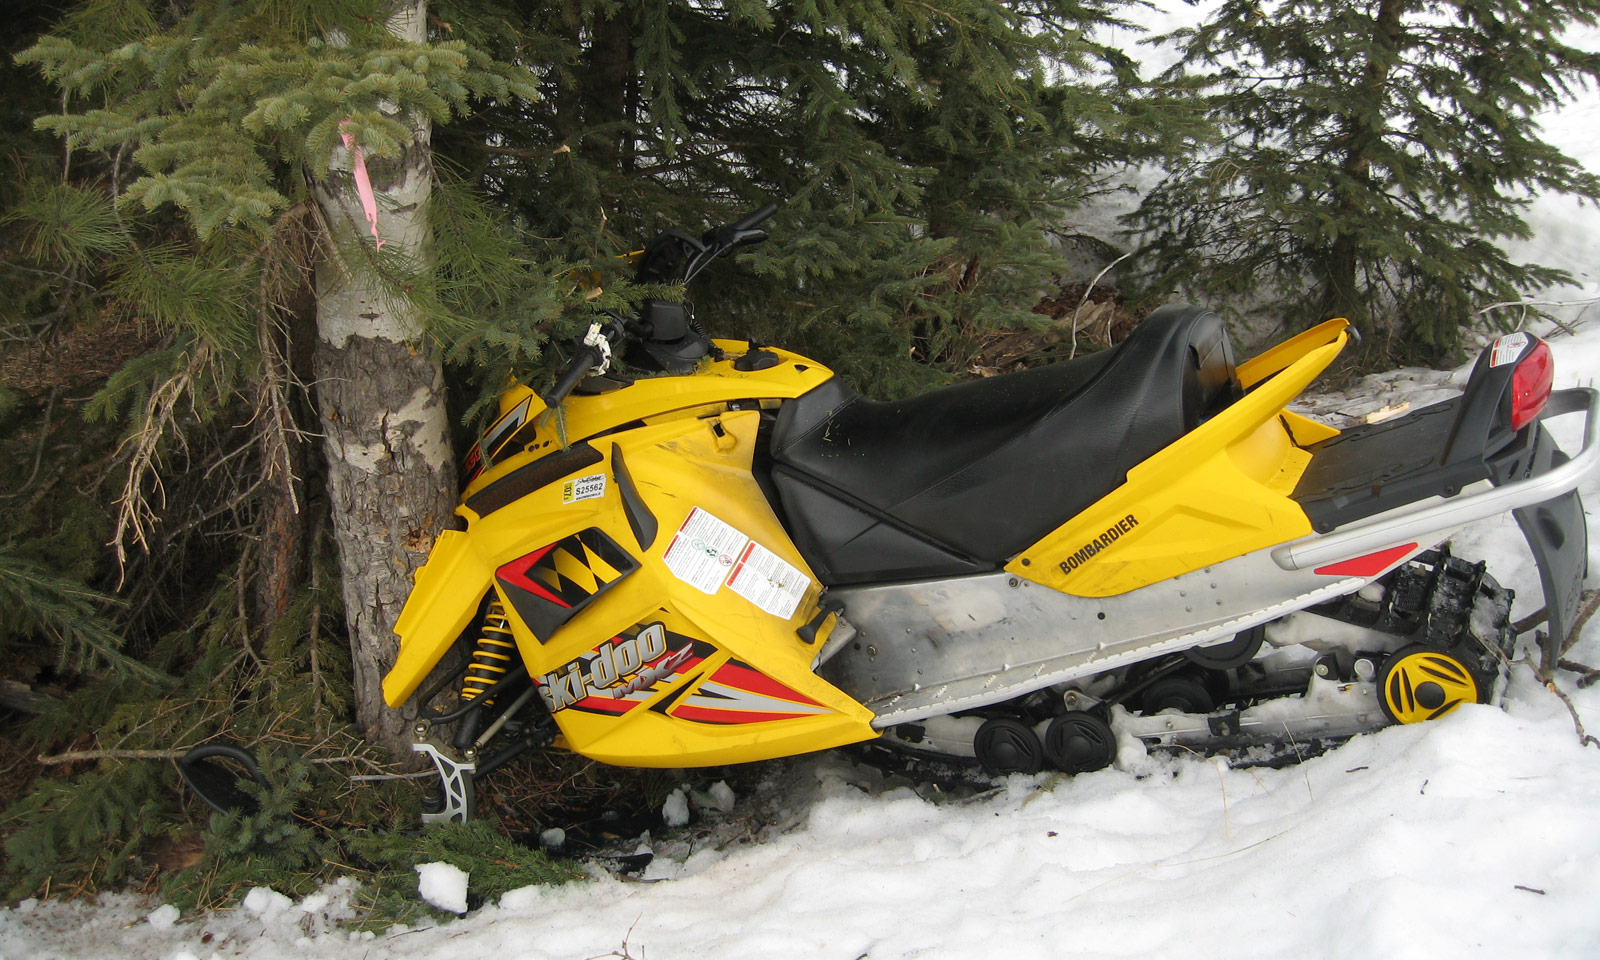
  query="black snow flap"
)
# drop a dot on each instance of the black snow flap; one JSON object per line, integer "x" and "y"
{"x": 1559, "y": 538}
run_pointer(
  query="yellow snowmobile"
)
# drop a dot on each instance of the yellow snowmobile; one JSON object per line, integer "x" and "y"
{"x": 744, "y": 559}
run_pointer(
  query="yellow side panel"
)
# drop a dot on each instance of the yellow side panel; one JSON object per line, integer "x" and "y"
{"x": 713, "y": 383}
{"x": 656, "y": 740}
{"x": 1307, "y": 431}
{"x": 1291, "y": 351}
{"x": 704, "y": 465}
{"x": 445, "y": 598}
{"x": 1219, "y": 492}
{"x": 744, "y": 690}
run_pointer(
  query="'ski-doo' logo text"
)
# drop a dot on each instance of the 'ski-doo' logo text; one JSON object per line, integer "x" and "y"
{"x": 1099, "y": 543}
{"x": 616, "y": 669}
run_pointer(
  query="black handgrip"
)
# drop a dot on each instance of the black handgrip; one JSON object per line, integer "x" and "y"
{"x": 756, "y": 217}
{"x": 577, "y": 368}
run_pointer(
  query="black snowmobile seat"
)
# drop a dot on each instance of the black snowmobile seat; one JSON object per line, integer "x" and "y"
{"x": 983, "y": 469}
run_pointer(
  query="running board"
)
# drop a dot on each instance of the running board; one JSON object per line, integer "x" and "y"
{"x": 943, "y": 646}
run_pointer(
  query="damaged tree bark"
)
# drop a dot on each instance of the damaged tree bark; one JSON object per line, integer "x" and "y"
{"x": 391, "y": 470}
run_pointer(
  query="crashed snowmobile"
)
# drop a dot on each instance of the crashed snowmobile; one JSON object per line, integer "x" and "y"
{"x": 743, "y": 559}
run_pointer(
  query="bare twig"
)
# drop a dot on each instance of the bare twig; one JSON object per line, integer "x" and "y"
{"x": 1587, "y": 675}
{"x": 1584, "y": 739}
{"x": 622, "y": 953}
{"x": 78, "y": 756}
{"x": 1088, "y": 290}
{"x": 1537, "y": 303}
{"x": 134, "y": 514}
{"x": 1586, "y": 609}
{"x": 1530, "y": 621}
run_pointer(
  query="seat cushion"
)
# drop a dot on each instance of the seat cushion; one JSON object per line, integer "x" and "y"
{"x": 989, "y": 467}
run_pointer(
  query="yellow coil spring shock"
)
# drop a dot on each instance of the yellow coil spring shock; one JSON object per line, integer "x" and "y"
{"x": 494, "y": 655}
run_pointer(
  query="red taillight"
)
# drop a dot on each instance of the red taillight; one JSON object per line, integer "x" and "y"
{"x": 1530, "y": 385}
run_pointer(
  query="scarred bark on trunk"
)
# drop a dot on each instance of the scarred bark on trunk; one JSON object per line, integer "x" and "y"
{"x": 390, "y": 475}
{"x": 391, "y": 471}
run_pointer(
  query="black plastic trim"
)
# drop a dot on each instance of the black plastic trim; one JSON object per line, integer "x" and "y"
{"x": 544, "y": 615}
{"x": 217, "y": 785}
{"x": 1558, "y": 536}
{"x": 1434, "y": 451}
{"x": 1375, "y": 467}
{"x": 640, "y": 519}
{"x": 524, "y": 480}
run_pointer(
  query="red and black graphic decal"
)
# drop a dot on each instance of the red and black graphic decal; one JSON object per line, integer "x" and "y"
{"x": 497, "y": 440}
{"x": 739, "y": 693}
{"x": 550, "y": 585}
{"x": 623, "y": 672}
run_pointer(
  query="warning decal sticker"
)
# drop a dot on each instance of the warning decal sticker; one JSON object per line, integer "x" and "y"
{"x": 703, "y": 551}
{"x": 763, "y": 578}
{"x": 1507, "y": 349}
{"x": 708, "y": 554}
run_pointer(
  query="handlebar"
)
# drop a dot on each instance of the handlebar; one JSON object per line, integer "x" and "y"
{"x": 594, "y": 353}
{"x": 586, "y": 359}
{"x": 756, "y": 217}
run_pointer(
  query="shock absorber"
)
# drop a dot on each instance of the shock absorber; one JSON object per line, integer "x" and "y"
{"x": 494, "y": 655}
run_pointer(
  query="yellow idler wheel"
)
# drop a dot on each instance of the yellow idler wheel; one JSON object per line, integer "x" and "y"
{"x": 1420, "y": 684}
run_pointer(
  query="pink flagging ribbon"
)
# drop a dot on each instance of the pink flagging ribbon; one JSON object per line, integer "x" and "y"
{"x": 369, "y": 202}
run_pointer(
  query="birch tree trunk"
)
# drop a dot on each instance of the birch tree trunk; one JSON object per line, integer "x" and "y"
{"x": 391, "y": 470}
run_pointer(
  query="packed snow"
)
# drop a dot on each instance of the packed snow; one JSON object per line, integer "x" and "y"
{"x": 444, "y": 885}
{"x": 1473, "y": 835}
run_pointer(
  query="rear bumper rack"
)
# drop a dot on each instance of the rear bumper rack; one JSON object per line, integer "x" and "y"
{"x": 1542, "y": 493}
{"x": 1415, "y": 521}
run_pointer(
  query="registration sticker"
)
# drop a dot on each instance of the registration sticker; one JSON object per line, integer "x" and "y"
{"x": 584, "y": 488}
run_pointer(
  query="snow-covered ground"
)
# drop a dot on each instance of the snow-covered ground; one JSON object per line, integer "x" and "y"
{"x": 1474, "y": 835}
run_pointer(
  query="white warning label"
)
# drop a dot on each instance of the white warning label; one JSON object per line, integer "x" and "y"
{"x": 704, "y": 550}
{"x": 1507, "y": 349}
{"x": 766, "y": 580}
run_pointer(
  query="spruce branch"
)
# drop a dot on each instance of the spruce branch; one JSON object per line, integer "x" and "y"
{"x": 36, "y": 600}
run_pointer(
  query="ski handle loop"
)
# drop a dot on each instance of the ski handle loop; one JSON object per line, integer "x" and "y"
{"x": 216, "y": 785}
{"x": 593, "y": 355}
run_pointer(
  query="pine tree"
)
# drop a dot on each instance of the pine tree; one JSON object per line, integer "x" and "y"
{"x": 922, "y": 153}
{"x": 223, "y": 139}
{"x": 1375, "y": 154}
{"x": 205, "y": 201}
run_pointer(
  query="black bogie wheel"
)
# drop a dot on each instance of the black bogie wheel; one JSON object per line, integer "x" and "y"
{"x": 1079, "y": 742}
{"x": 1230, "y": 655}
{"x": 1182, "y": 693}
{"x": 1004, "y": 745}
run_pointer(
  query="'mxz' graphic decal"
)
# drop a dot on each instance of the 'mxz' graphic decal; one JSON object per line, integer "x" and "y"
{"x": 621, "y": 673}
{"x": 739, "y": 693}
